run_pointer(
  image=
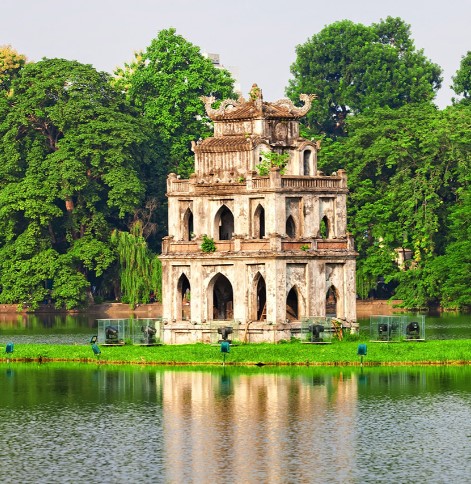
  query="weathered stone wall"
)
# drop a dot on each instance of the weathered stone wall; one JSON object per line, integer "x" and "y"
{"x": 271, "y": 263}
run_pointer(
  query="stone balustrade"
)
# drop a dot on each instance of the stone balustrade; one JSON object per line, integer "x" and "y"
{"x": 258, "y": 183}
{"x": 274, "y": 243}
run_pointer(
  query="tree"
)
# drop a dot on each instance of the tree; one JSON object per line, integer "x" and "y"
{"x": 11, "y": 63}
{"x": 462, "y": 79}
{"x": 71, "y": 162}
{"x": 140, "y": 270}
{"x": 352, "y": 68}
{"x": 165, "y": 83}
{"x": 449, "y": 273}
{"x": 408, "y": 178}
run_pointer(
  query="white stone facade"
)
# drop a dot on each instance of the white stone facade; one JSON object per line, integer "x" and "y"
{"x": 282, "y": 249}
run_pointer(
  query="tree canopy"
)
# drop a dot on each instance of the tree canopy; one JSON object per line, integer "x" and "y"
{"x": 165, "y": 83}
{"x": 409, "y": 177}
{"x": 69, "y": 172}
{"x": 352, "y": 68}
{"x": 11, "y": 63}
{"x": 462, "y": 78}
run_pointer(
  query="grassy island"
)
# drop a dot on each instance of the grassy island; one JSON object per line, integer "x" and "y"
{"x": 339, "y": 353}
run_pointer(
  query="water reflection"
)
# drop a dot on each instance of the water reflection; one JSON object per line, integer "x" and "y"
{"x": 47, "y": 328}
{"x": 78, "y": 328}
{"x": 77, "y": 423}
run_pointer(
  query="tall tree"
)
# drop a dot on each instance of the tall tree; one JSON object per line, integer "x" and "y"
{"x": 165, "y": 83}
{"x": 352, "y": 68}
{"x": 70, "y": 170}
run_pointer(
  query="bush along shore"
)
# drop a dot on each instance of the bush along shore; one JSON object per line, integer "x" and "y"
{"x": 339, "y": 353}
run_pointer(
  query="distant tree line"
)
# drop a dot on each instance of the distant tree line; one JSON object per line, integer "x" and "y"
{"x": 85, "y": 155}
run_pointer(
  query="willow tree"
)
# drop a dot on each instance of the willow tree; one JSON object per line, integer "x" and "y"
{"x": 140, "y": 270}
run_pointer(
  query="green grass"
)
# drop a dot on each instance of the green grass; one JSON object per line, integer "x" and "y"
{"x": 342, "y": 353}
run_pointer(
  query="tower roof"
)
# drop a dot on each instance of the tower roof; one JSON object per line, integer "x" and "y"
{"x": 255, "y": 107}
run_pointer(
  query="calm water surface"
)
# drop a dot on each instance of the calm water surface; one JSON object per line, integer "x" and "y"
{"x": 77, "y": 329}
{"x": 84, "y": 424}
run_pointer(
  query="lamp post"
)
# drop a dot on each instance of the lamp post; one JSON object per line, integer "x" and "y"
{"x": 9, "y": 350}
{"x": 361, "y": 352}
{"x": 225, "y": 348}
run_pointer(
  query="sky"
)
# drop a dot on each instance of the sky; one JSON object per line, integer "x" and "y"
{"x": 256, "y": 37}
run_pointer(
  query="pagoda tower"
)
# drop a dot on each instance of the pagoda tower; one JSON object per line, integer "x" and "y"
{"x": 277, "y": 224}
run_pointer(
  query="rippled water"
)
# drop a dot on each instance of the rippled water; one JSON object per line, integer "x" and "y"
{"x": 87, "y": 423}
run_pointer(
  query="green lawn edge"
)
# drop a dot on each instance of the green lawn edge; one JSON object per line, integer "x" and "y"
{"x": 339, "y": 353}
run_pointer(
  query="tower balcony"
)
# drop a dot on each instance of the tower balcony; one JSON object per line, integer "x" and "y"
{"x": 254, "y": 183}
{"x": 275, "y": 243}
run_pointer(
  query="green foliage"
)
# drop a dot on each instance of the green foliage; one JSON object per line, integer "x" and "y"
{"x": 140, "y": 270}
{"x": 70, "y": 287}
{"x": 208, "y": 244}
{"x": 71, "y": 168}
{"x": 409, "y": 175}
{"x": 352, "y": 68}
{"x": 165, "y": 83}
{"x": 11, "y": 62}
{"x": 462, "y": 78}
{"x": 272, "y": 159}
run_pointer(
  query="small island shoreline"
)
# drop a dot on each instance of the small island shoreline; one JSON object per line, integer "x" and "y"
{"x": 339, "y": 353}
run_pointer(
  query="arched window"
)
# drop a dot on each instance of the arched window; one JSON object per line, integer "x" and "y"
{"x": 292, "y": 306}
{"x": 187, "y": 224}
{"x": 290, "y": 227}
{"x": 261, "y": 299}
{"x": 307, "y": 163}
{"x": 324, "y": 228}
{"x": 331, "y": 302}
{"x": 184, "y": 292}
{"x": 224, "y": 223}
{"x": 259, "y": 222}
{"x": 222, "y": 303}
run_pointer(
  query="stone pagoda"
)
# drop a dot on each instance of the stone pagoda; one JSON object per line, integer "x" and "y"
{"x": 277, "y": 224}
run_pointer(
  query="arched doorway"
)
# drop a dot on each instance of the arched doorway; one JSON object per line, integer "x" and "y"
{"x": 184, "y": 294}
{"x": 223, "y": 298}
{"x": 187, "y": 224}
{"x": 292, "y": 305}
{"x": 290, "y": 227}
{"x": 259, "y": 222}
{"x": 261, "y": 299}
{"x": 331, "y": 302}
{"x": 224, "y": 223}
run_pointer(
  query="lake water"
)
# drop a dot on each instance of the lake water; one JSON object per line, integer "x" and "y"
{"x": 94, "y": 423}
{"x": 78, "y": 328}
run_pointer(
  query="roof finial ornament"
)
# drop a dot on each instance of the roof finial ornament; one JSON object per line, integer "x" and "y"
{"x": 298, "y": 112}
{"x": 256, "y": 96}
{"x": 226, "y": 105}
{"x": 256, "y": 107}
